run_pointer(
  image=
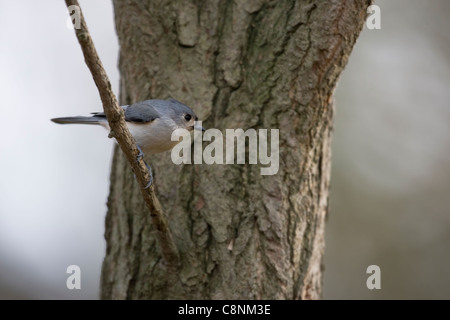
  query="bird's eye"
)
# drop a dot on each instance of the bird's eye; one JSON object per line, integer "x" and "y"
{"x": 188, "y": 117}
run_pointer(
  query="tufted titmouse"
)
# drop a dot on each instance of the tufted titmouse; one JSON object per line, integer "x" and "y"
{"x": 150, "y": 122}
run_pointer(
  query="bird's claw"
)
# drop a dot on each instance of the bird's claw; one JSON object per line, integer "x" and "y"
{"x": 140, "y": 157}
{"x": 151, "y": 176}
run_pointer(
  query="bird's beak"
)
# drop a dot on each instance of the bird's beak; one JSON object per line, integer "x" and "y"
{"x": 197, "y": 127}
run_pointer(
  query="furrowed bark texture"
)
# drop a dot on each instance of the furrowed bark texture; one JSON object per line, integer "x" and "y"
{"x": 239, "y": 64}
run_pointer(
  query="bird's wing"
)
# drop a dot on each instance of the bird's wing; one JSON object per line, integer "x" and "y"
{"x": 141, "y": 112}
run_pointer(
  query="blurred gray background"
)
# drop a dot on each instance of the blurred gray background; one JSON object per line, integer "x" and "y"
{"x": 391, "y": 155}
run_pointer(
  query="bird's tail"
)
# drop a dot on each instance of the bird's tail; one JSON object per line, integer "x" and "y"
{"x": 78, "y": 120}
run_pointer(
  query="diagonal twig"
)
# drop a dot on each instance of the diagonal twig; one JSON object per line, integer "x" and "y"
{"x": 119, "y": 130}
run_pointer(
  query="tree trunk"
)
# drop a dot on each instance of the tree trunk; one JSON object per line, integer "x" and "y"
{"x": 238, "y": 64}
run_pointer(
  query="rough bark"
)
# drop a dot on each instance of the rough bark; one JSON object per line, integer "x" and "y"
{"x": 239, "y": 64}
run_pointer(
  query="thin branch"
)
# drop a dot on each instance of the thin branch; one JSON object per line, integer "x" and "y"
{"x": 119, "y": 130}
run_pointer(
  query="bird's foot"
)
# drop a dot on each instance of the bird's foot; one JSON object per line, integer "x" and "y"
{"x": 151, "y": 175}
{"x": 140, "y": 157}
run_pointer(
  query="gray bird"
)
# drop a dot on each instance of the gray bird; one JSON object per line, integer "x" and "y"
{"x": 151, "y": 123}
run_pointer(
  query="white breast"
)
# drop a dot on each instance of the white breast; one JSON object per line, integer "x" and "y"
{"x": 153, "y": 137}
